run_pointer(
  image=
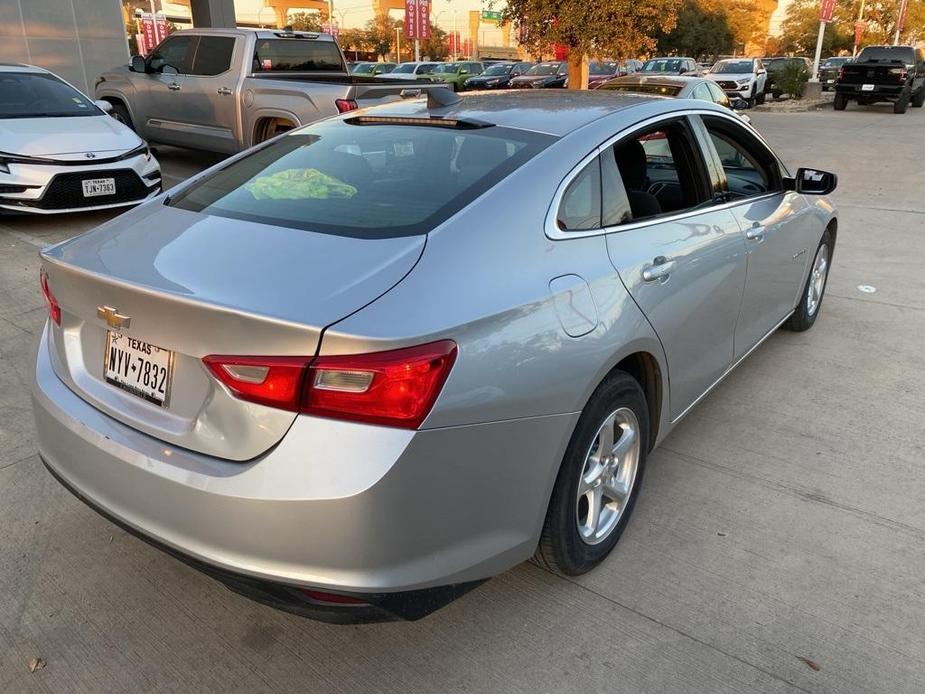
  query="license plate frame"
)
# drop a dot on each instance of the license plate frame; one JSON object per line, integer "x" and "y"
{"x": 97, "y": 187}
{"x": 136, "y": 357}
{"x": 867, "y": 87}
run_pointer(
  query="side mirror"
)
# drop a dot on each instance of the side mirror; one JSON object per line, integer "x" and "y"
{"x": 138, "y": 64}
{"x": 103, "y": 106}
{"x": 813, "y": 182}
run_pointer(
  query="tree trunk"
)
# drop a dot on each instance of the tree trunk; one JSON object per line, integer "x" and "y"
{"x": 577, "y": 70}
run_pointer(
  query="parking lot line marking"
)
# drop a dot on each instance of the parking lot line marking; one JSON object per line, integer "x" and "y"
{"x": 27, "y": 238}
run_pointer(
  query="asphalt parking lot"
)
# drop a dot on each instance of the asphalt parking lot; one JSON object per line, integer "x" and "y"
{"x": 778, "y": 544}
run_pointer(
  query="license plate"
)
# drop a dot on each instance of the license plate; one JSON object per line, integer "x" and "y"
{"x": 99, "y": 186}
{"x": 831, "y": 81}
{"x": 137, "y": 367}
{"x": 867, "y": 87}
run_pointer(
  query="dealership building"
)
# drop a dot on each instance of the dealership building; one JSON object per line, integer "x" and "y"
{"x": 79, "y": 39}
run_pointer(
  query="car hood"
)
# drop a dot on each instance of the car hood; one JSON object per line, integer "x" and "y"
{"x": 731, "y": 75}
{"x": 287, "y": 274}
{"x": 45, "y": 137}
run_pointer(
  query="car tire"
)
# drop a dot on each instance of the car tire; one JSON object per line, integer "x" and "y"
{"x": 918, "y": 99}
{"x": 806, "y": 312}
{"x": 841, "y": 101}
{"x": 776, "y": 94}
{"x": 901, "y": 104}
{"x": 572, "y": 542}
{"x": 120, "y": 113}
{"x": 759, "y": 99}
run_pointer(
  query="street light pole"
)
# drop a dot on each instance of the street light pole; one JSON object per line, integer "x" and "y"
{"x": 398, "y": 43}
{"x": 899, "y": 21}
{"x": 857, "y": 24}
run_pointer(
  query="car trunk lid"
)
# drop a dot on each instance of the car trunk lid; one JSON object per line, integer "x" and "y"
{"x": 198, "y": 285}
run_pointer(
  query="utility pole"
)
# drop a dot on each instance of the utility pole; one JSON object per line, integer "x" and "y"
{"x": 857, "y": 34}
{"x": 899, "y": 21}
{"x": 398, "y": 43}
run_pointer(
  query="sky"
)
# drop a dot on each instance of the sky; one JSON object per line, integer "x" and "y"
{"x": 355, "y": 13}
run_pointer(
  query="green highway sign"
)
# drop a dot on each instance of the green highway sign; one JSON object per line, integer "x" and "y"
{"x": 491, "y": 16}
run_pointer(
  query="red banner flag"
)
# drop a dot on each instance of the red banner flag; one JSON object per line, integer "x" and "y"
{"x": 417, "y": 19}
{"x": 826, "y": 10}
{"x": 147, "y": 32}
{"x": 423, "y": 19}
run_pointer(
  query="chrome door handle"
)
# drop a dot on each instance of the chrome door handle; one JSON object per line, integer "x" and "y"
{"x": 224, "y": 91}
{"x": 755, "y": 233}
{"x": 659, "y": 270}
{"x": 173, "y": 86}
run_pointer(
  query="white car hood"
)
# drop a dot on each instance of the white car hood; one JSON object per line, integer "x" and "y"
{"x": 46, "y": 137}
{"x": 731, "y": 75}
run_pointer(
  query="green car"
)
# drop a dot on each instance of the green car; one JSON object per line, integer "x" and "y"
{"x": 456, "y": 74}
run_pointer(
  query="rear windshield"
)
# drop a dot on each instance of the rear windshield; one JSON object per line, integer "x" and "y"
{"x": 835, "y": 62}
{"x": 602, "y": 68}
{"x": 662, "y": 65}
{"x": 297, "y": 55}
{"x": 40, "y": 95}
{"x": 887, "y": 54}
{"x": 649, "y": 88}
{"x": 369, "y": 181}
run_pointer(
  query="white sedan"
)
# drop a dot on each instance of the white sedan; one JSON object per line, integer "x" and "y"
{"x": 741, "y": 78}
{"x": 60, "y": 151}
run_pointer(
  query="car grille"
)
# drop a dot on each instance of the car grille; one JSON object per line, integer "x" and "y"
{"x": 726, "y": 84}
{"x": 66, "y": 190}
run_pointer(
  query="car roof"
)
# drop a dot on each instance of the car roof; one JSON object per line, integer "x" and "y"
{"x": 552, "y": 111}
{"x": 22, "y": 67}
{"x": 261, "y": 33}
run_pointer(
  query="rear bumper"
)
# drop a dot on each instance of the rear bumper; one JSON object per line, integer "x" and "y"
{"x": 884, "y": 92}
{"x": 339, "y": 507}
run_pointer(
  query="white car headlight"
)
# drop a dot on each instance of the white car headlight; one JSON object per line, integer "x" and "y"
{"x": 744, "y": 82}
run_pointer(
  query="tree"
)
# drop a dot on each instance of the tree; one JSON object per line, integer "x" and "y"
{"x": 354, "y": 40}
{"x": 305, "y": 21}
{"x": 380, "y": 32}
{"x": 702, "y": 29}
{"x": 612, "y": 28}
{"x": 749, "y": 21}
{"x": 436, "y": 47}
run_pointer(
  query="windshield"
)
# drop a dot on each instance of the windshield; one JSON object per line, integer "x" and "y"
{"x": 733, "y": 67}
{"x": 887, "y": 54}
{"x": 426, "y": 68}
{"x": 496, "y": 70}
{"x": 404, "y": 69}
{"x": 835, "y": 62}
{"x": 602, "y": 68}
{"x": 364, "y": 68}
{"x": 40, "y": 95}
{"x": 297, "y": 55}
{"x": 544, "y": 69}
{"x": 363, "y": 180}
{"x": 444, "y": 68}
{"x": 663, "y": 65}
{"x": 650, "y": 88}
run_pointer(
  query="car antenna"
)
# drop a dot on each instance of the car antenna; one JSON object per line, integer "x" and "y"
{"x": 441, "y": 97}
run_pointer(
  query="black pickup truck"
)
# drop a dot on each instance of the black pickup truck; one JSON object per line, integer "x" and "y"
{"x": 883, "y": 73}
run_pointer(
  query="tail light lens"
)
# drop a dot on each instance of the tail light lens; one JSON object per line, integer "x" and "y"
{"x": 395, "y": 388}
{"x": 54, "y": 309}
{"x": 344, "y": 105}
{"x": 841, "y": 73}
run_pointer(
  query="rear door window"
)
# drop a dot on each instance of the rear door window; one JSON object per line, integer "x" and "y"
{"x": 365, "y": 180}
{"x": 213, "y": 56}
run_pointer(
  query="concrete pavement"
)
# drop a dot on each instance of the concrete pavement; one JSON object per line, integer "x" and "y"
{"x": 779, "y": 542}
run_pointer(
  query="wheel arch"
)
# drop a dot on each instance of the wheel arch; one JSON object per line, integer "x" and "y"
{"x": 263, "y": 120}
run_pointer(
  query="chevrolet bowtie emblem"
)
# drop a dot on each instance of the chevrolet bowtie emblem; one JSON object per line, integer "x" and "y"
{"x": 113, "y": 318}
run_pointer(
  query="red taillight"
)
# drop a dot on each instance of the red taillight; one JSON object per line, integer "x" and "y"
{"x": 271, "y": 381}
{"x": 344, "y": 105}
{"x": 331, "y": 598}
{"x": 395, "y": 388}
{"x": 841, "y": 73}
{"x": 54, "y": 309}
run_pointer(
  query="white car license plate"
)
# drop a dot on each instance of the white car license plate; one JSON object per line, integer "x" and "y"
{"x": 99, "y": 186}
{"x": 831, "y": 81}
{"x": 867, "y": 87}
{"x": 142, "y": 369}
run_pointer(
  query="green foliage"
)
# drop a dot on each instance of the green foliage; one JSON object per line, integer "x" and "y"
{"x": 615, "y": 28}
{"x": 701, "y": 30}
{"x": 436, "y": 47}
{"x": 380, "y": 34}
{"x": 792, "y": 79}
{"x": 305, "y": 21}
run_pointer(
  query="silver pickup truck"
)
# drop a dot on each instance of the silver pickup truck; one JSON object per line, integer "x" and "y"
{"x": 224, "y": 90}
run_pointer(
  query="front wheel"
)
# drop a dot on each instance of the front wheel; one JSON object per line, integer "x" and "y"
{"x": 599, "y": 479}
{"x": 841, "y": 101}
{"x": 120, "y": 113}
{"x": 807, "y": 310}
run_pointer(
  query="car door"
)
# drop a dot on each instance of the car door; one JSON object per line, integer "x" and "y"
{"x": 777, "y": 226}
{"x": 209, "y": 117}
{"x": 158, "y": 90}
{"x": 682, "y": 261}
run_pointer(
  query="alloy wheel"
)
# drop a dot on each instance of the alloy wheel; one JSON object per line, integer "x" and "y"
{"x": 817, "y": 280}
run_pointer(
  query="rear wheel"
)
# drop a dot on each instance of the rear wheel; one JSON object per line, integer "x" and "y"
{"x": 807, "y": 310}
{"x": 918, "y": 100}
{"x": 900, "y": 105}
{"x": 599, "y": 479}
{"x": 841, "y": 101}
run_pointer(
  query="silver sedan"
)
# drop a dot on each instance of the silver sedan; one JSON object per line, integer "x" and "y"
{"x": 362, "y": 368}
{"x": 61, "y": 152}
